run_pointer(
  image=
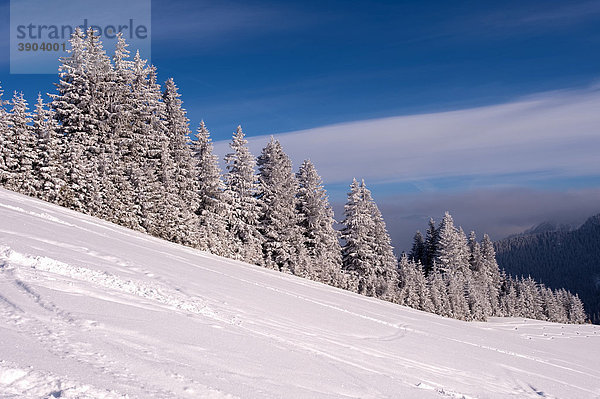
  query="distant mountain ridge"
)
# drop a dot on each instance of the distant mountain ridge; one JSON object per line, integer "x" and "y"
{"x": 560, "y": 256}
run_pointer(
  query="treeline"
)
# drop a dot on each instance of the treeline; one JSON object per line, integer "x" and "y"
{"x": 561, "y": 258}
{"x": 455, "y": 276}
{"x": 114, "y": 144}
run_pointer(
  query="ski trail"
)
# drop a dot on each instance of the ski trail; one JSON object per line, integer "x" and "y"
{"x": 19, "y": 382}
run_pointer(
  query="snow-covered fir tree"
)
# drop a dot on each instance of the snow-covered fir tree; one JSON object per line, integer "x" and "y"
{"x": 414, "y": 290}
{"x": 241, "y": 189}
{"x": 321, "y": 240}
{"x": 213, "y": 208}
{"x": 279, "y": 221}
{"x": 367, "y": 253}
{"x": 48, "y": 169}
{"x": 4, "y": 138}
{"x": 74, "y": 107}
{"x": 22, "y": 148}
{"x": 183, "y": 173}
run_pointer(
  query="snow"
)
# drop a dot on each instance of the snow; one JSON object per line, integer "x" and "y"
{"x": 92, "y": 310}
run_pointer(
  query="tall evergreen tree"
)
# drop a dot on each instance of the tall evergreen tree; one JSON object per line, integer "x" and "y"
{"x": 316, "y": 222}
{"x": 279, "y": 220}
{"x": 241, "y": 188}
{"x": 22, "y": 145}
{"x": 48, "y": 170}
{"x": 431, "y": 246}
{"x": 417, "y": 252}
{"x": 4, "y": 139}
{"x": 213, "y": 208}
{"x": 183, "y": 175}
{"x": 367, "y": 254}
{"x": 75, "y": 108}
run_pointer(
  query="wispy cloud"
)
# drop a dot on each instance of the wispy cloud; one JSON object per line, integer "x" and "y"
{"x": 553, "y": 135}
{"x": 526, "y": 18}
{"x": 207, "y": 24}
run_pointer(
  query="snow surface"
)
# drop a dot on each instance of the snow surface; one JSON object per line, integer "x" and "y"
{"x": 90, "y": 309}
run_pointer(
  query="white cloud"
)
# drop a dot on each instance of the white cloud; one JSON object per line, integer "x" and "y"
{"x": 556, "y": 134}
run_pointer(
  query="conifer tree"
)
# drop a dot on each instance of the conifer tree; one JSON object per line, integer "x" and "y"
{"x": 49, "y": 168}
{"x": 417, "y": 252}
{"x": 367, "y": 253}
{"x": 21, "y": 145}
{"x": 75, "y": 107}
{"x": 316, "y": 222}
{"x": 213, "y": 208}
{"x": 431, "y": 246}
{"x": 241, "y": 188}
{"x": 4, "y": 139}
{"x": 279, "y": 220}
{"x": 183, "y": 174}
{"x": 439, "y": 292}
{"x": 492, "y": 279}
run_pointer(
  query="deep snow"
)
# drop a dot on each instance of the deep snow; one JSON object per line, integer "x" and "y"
{"x": 90, "y": 309}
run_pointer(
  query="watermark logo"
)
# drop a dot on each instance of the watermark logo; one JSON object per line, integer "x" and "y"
{"x": 40, "y": 29}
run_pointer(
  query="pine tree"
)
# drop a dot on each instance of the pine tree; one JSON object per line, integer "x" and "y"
{"x": 213, "y": 208}
{"x": 439, "y": 292}
{"x": 76, "y": 107}
{"x": 183, "y": 175}
{"x": 367, "y": 253}
{"x": 279, "y": 219}
{"x": 48, "y": 168}
{"x": 358, "y": 256}
{"x": 386, "y": 262}
{"x": 316, "y": 222}
{"x": 414, "y": 291}
{"x": 240, "y": 188}
{"x": 490, "y": 272}
{"x": 431, "y": 246}
{"x": 4, "y": 140}
{"x": 21, "y": 145}
{"x": 417, "y": 252}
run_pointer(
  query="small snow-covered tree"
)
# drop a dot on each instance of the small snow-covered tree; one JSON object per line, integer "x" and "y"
{"x": 439, "y": 292}
{"x": 414, "y": 291}
{"x": 240, "y": 189}
{"x": 316, "y": 222}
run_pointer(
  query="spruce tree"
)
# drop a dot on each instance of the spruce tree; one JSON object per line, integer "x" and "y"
{"x": 316, "y": 222}
{"x": 4, "y": 139}
{"x": 279, "y": 220}
{"x": 183, "y": 174}
{"x": 431, "y": 246}
{"x": 241, "y": 188}
{"x": 417, "y": 252}
{"x": 49, "y": 168}
{"x": 21, "y": 145}
{"x": 213, "y": 208}
{"x": 367, "y": 253}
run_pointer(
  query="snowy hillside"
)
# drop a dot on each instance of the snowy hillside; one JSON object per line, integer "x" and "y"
{"x": 89, "y": 309}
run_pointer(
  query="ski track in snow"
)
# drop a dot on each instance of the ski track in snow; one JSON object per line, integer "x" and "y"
{"x": 40, "y": 275}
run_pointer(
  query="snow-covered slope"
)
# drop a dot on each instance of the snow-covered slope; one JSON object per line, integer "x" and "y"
{"x": 89, "y": 309}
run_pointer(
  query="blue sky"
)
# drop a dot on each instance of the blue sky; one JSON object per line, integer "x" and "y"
{"x": 278, "y": 67}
